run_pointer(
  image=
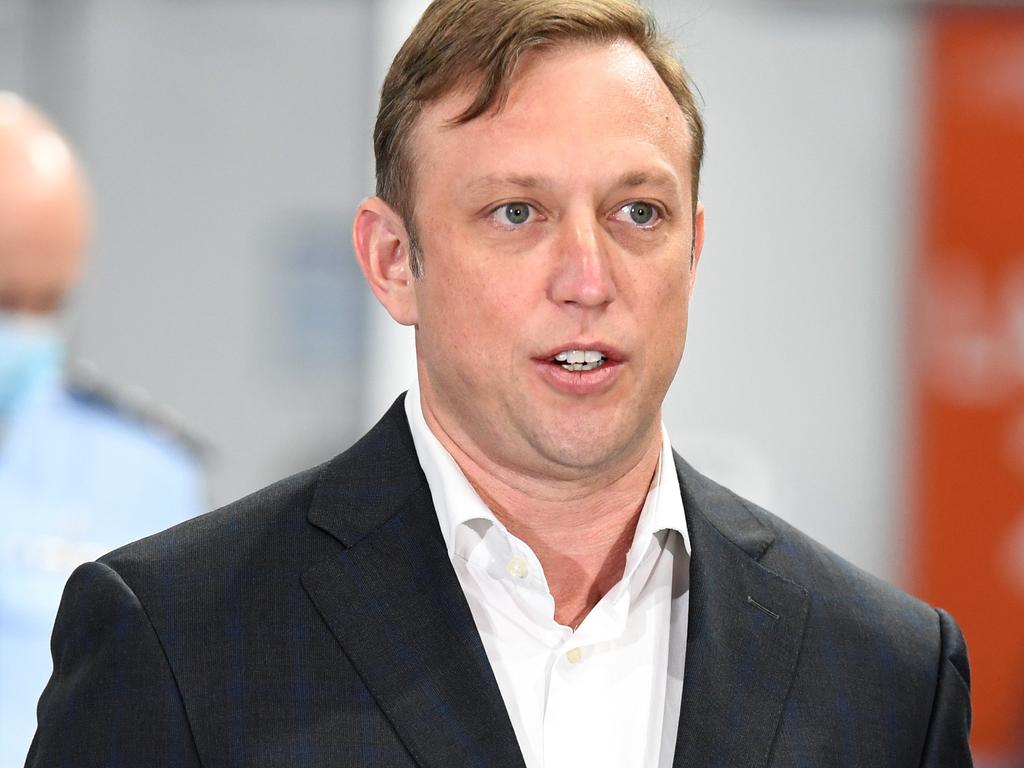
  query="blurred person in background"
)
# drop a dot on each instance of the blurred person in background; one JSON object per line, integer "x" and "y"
{"x": 81, "y": 467}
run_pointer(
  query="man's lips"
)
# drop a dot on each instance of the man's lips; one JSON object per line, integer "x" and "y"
{"x": 580, "y": 380}
{"x": 610, "y": 352}
{"x": 578, "y": 383}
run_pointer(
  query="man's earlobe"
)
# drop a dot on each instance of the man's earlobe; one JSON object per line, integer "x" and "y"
{"x": 382, "y": 247}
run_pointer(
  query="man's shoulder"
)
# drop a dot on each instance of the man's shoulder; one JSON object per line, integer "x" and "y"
{"x": 257, "y": 523}
{"x": 290, "y": 523}
{"x": 834, "y": 581}
{"x": 840, "y": 593}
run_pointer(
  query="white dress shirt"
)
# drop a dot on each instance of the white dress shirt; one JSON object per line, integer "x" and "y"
{"x": 608, "y": 693}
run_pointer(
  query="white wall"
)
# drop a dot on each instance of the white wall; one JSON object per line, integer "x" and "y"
{"x": 791, "y": 388}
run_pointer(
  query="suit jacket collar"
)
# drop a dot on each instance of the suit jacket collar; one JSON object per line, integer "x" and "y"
{"x": 361, "y": 489}
{"x": 393, "y": 601}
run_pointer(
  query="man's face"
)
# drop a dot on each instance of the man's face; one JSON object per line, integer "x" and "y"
{"x": 561, "y": 225}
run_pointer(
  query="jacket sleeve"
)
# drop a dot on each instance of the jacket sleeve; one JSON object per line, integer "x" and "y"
{"x": 947, "y": 744}
{"x": 112, "y": 699}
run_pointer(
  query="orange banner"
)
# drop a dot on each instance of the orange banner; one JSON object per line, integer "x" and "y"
{"x": 967, "y": 341}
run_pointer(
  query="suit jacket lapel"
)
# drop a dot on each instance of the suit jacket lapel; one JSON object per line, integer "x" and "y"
{"x": 393, "y": 601}
{"x": 745, "y": 629}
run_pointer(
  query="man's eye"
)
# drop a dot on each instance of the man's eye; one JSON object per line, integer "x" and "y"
{"x": 640, "y": 213}
{"x": 512, "y": 213}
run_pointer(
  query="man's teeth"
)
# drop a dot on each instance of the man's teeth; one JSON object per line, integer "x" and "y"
{"x": 580, "y": 359}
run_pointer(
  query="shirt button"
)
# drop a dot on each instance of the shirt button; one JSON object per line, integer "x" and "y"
{"x": 517, "y": 567}
{"x": 574, "y": 655}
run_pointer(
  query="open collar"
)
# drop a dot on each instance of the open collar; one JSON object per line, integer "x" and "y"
{"x": 393, "y": 601}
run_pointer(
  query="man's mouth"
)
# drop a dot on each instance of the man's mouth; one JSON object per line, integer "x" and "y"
{"x": 579, "y": 359}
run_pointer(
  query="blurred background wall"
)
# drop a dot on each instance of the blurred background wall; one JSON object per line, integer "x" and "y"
{"x": 228, "y": 142}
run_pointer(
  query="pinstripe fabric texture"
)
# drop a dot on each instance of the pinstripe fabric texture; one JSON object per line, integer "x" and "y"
{"x": 318, "y": 622}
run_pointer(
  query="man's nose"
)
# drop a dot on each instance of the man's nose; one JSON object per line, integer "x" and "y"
{"x": 583, "y": 273}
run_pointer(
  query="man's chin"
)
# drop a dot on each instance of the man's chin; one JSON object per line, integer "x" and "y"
{"x": 577, "y": 453}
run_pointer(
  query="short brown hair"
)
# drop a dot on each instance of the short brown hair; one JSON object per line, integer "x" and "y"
{"x": 456, "y": 41}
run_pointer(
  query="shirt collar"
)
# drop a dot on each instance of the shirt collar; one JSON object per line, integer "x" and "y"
{"x": 662, "y": 511}
{"x": 455, "y": 501}
{"x": 457, "y": 504}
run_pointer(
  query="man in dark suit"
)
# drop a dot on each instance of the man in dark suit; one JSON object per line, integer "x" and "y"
{"x": 512, "y": 568}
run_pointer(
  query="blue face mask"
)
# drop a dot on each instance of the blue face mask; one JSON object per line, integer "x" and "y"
{"x": 31, "y": 354}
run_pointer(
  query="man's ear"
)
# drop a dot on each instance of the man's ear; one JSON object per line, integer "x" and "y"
{"x": 698, "y": 238}
{"x": 382, "y": 248}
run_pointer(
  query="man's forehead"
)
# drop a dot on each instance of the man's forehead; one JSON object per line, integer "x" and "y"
{"x": 580, "y": 60}
{"x": 590, "y": 87}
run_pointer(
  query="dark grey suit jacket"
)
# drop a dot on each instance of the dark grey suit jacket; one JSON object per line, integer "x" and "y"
{"x": 319, "y": 622}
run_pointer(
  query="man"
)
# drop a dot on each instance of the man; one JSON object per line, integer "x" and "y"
{"x": 512, "y": 567}
{"x": 79, "y": 469}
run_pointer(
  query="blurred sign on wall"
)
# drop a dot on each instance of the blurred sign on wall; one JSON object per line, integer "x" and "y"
{"x": 321, "y": 294}
{"x": 968, "y": 346}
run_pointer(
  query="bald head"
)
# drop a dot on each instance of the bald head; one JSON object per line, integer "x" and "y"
{"x": 44, "y": 211}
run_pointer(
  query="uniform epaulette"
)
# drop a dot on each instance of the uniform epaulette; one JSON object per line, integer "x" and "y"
{"x": 84, "y": 382}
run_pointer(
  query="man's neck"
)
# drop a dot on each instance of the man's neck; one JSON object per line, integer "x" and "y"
{"x": 580, "y": 530}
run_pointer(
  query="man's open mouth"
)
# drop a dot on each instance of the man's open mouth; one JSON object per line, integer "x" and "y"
{"x": 579, "y": 359}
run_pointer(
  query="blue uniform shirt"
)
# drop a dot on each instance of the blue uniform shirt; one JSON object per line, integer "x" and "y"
{"x": 78, "y": 477}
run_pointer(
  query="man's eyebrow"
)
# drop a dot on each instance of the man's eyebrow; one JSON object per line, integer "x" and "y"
{"x": 639, "y": 178}
{"x": 510, "y": 180}
{"x": 652, "y": 178}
